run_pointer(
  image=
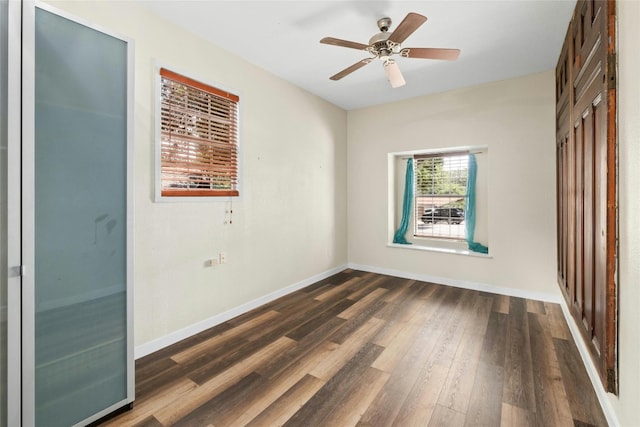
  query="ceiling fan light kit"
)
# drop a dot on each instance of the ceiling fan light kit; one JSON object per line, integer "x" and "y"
{"x": 393, "y": 73}
{"x": 384, "y": 44}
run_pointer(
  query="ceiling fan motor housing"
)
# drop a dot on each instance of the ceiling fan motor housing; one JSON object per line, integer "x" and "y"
{"x": 378, "y": 45}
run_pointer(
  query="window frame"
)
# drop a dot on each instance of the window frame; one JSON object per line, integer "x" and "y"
{"x": 396, "y": 162}
{"x": 193, "y": 195}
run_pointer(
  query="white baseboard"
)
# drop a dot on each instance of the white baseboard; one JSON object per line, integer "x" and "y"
{"x": 539, "y": 296}
{"x": 603, "y": 395}
{"x": 174, "y": 337}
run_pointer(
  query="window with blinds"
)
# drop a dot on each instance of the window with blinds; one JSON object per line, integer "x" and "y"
{"x": 199, "y": 138}
{"x": 440, "y": 193}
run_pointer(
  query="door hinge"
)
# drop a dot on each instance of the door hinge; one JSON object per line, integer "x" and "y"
{"x": 612, "y": 70}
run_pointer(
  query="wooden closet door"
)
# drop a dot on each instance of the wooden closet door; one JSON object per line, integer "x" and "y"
{"x": 587, "y": 179}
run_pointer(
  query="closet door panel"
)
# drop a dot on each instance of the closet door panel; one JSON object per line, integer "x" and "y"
{"x": 600, "y": 224}
{"x": 80, "y": 251}
{"x": 587, "y": 206}
{"x": 578, "y": 301}
{"x": 588, "y": 201}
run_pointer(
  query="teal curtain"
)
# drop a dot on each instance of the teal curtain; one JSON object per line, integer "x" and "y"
{"x": 399, "y": 237}
{"x": 470, "y": 214}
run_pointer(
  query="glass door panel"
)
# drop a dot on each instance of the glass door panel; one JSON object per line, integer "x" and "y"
{"x": 80, "y": 221}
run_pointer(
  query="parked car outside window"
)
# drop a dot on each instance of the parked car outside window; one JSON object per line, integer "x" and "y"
{"x": 448, "y": 215}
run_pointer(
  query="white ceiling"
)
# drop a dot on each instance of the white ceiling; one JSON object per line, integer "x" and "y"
{"x": 498, "y": 40}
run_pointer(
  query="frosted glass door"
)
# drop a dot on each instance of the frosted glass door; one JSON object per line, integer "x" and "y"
{"x": 80, "y": 253}
{"x": 4, "y": 68}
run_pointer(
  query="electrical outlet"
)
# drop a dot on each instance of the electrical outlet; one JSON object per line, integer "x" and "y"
{"x": 222, "y": 257}
{"x": 211, "y": 262}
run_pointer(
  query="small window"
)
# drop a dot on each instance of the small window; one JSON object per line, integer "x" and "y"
{"x": 198, "y": 138}
{"x": 440, "y": 194}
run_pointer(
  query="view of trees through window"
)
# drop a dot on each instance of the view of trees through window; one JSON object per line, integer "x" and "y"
{"x": 440, "y": 192}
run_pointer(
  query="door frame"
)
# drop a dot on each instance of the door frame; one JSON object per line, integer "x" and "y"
{"x": 14, "y": 224}
{"x": 611, "y": 298}
{"x": 27, "y": 187}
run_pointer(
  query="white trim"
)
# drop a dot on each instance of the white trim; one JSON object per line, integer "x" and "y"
{"x": 417, "y": 247}
{"x": 14, "y": 219}
{"x": 130, "y": 215}
{"x": 106, "y": 411}
{"x": 603, "y": 398}
{"x": 520, "y": 293}
{"x": 40, "y": 4}
{"x": 475, "y": 149}
{"x": 174, "y": 337}
{"x": 28, "y": 213}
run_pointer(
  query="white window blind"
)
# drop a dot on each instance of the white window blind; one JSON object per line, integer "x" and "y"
{"x": 199, "y": 138}
{"x": 440, "y": 192}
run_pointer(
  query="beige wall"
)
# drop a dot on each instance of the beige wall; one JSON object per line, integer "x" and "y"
{"x": 515, "y": 120}
{"x": 627, "y": 404}
{"x": 290, "y": 223}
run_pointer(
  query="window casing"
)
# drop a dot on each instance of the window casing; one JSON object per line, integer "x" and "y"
{"x": 440, "y": 192}
{"x": 198, "y": 138}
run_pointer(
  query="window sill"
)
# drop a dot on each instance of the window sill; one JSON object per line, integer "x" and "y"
{"x": 464, "y": 252}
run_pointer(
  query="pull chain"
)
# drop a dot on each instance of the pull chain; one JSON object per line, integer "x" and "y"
{"x": 229, "y": 213}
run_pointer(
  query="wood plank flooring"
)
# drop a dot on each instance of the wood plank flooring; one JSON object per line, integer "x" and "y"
{"x": 362, "y": 349}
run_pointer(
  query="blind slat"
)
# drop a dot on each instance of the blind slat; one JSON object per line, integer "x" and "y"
{"x": 182, "y": 169}
{"x": 212, "y": 113}
{"x": 192, "y": 145}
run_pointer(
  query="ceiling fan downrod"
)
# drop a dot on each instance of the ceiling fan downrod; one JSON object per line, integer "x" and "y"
{"x": 384, "y": 24}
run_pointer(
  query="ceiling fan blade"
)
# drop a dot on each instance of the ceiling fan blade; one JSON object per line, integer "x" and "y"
{"x": 409, "y": 24}
{"x": 344, "y": 43}
{"x": 430, "y": 53}
{"x": 351, "y": 69}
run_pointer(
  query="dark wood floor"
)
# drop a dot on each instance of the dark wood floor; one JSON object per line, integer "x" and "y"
{"x": 372, "y": 350}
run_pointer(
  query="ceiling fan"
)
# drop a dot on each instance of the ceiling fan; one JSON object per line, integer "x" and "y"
{"x": 384, "y": 45}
